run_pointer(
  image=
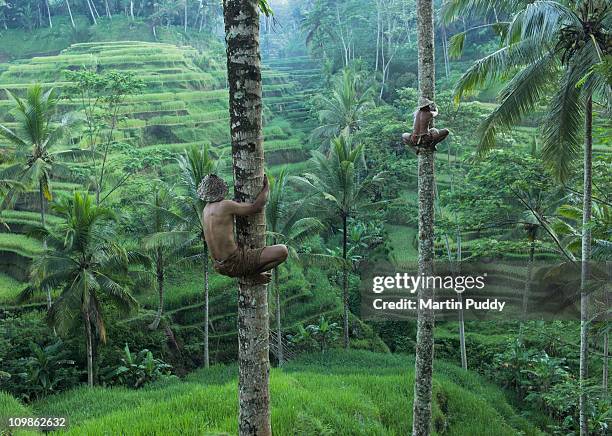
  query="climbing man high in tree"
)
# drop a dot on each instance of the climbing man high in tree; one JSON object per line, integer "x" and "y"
{"x": 423, "y": 134}
{"x": 229, "y": 258}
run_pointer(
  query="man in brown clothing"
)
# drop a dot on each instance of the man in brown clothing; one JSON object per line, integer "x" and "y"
{"x": 424, "y": 136}
{"x": 229, "y": 258}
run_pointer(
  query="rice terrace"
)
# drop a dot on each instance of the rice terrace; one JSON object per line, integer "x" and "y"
{"x": 316, "y": 217}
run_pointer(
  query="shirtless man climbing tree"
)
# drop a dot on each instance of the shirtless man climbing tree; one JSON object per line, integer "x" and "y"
{"x": 229, "y": 258}
{"x": 423, "y": 135}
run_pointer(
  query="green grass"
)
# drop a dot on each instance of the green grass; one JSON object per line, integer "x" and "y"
{"x": 25, "y": 217}
{"x": 349, "y": 393}
{"x": 11, "y": 408}
{"x": 20, "y": 244}
{"x": 9, "y": 289}
{"x": 402, "y": 239}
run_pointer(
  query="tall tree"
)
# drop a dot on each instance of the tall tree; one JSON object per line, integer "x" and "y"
{"x": 91, "y": 12}
{"x": 85, "y": 262}
{"x": 241, "y": 19}
{"x": 194, "y": 164}
{"x": 184, "y": 234}
{"x": 421, "y": 413}
{"x": 548, "y": 42}
{"x": 342, "y": 111}
{"x": 338, "y": 180}
{"x": 287, "y": 225}
{"x": 160, "y": 217}
{"x": 70, "y": 14}
{"x": 37, "y": 133}
{"x": 49, "y": 14}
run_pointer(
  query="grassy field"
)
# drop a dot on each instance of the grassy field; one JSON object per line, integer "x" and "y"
{"x": 343, "y": 393}
{"x": 20, "y": 244}
{"x": 9, "y": 289}
{"x": 402, "y": 239}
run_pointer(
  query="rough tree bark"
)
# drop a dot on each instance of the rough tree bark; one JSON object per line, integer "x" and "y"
{"x": 426, "y": 192}
{"x": 241, "y": 19}
{"x": 585, "y": 267}
{"x": 206, "y": 311}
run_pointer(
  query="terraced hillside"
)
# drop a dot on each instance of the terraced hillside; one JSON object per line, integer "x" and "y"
{"x": 184, "y": 103}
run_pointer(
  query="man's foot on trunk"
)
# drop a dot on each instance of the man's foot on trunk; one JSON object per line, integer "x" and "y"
{"x": 261, "y": 279}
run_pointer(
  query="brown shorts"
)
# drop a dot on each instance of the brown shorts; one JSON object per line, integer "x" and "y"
{"x": 243, "y": 262}
{"x": 432, "y": 137}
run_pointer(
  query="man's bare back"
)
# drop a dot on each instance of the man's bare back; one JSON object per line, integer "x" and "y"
{"x": 218, "y": 224}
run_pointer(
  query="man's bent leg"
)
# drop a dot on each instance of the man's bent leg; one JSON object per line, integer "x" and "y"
{"x": 271, "y": 257}
{"x": 437, "y": 136}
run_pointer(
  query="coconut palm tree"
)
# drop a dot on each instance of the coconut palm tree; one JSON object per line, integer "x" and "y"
{"x": 160, "y": 217}
{"x": 338, "y": 182}
{"x": 342, "y": 111}
{"x": 194, "y": 164}
{"x": 421, "y": 411}
{"x": 287, "y": 225}
{"x": 87, "y": 264}
{"x": 33, "y": 142}
{"x": 544, "y": 43}
{"x": 241, "y": 18}
{"x": 183, "y": 234}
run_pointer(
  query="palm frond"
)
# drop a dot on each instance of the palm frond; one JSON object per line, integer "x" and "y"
{"x": 498, "y": 65}
{"x": 564, "y": 121}
{"x": 12, "y": 137}
{"x": 518, "y": 98}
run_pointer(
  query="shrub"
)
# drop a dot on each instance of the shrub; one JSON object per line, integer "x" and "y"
{"x": 136, "y": 370}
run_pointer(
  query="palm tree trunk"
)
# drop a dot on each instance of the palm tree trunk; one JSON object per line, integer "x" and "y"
{"x": 345, "y": 297}
{"x": 41, "y": 198}
{"x": 241, "y": 19}
{"x": 49, "y": 14}
{"x": 426, "y": 192}
{"x": 585, "y": 270}
{"x": 606, "y": 340}
{"x": 527, "y": 289}
{"x": 604, "y": 372}
{"x": 461, "y": 320}
{"x": 160, "y": 290}
{"x": 185, "y": 16}
{"x": 108, "y": 13}
{"x": 93, "y": 17}
{"x": 279, "y": 330}
{"x": 43, "y": 222}
{"x": 206, "y": 312}
{"x": 70, "y": 14}
{"x": 378, "y": 7}
{"x": 93, "y": 5}
{"x": 89, "y": 339}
